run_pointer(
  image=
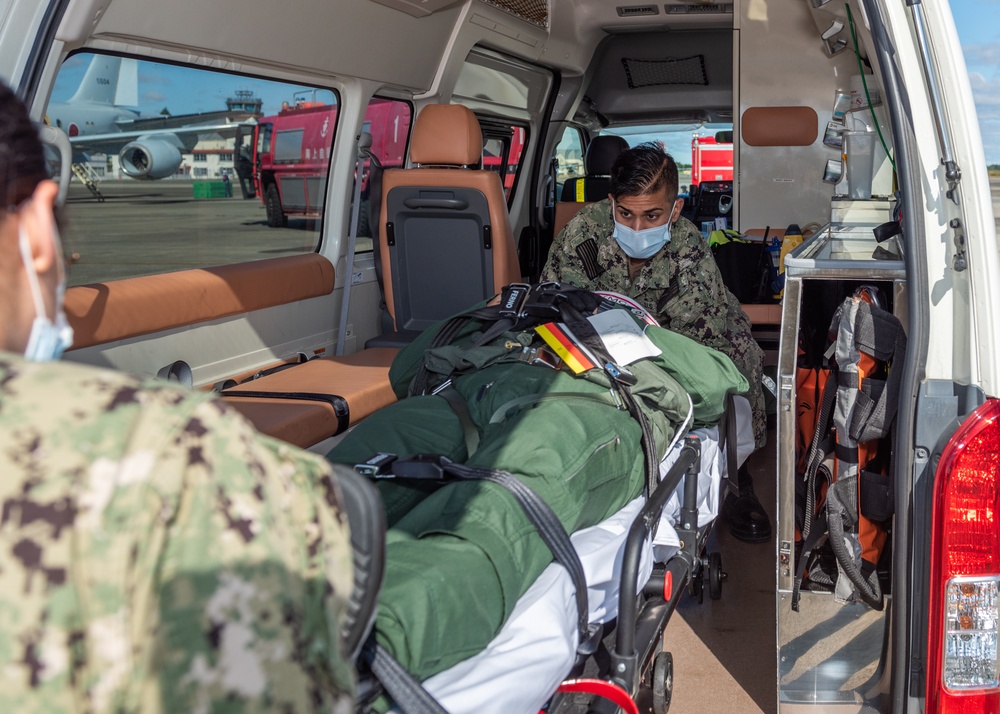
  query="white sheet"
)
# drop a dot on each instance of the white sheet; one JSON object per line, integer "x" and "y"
{"x": 521, "y": 668}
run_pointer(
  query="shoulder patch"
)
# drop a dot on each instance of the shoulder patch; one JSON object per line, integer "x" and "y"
{"x": 587, "y": 252}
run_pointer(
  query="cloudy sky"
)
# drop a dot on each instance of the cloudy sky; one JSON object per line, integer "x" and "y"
{"x": 978, "y": 23}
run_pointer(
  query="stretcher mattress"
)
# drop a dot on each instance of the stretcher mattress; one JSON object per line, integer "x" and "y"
{"x": 534, "y": 651}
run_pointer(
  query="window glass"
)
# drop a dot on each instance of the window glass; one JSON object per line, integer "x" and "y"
{"x": 288, "y": 146}
{"x": 152, "y": 142}
{"x": 703, "y": 152}
{"x": 503, "y": 149}
{"x": 569, "y": 157}
{"x": 491, "y": 83}
{"x": 388, "y": 121}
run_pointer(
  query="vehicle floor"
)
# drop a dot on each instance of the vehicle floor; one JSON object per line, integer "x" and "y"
{"x": 725, "y": 651}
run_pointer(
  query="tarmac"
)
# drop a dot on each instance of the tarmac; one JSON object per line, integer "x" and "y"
{"x": 151, "y": 227}
{"x": 112, "y": 239}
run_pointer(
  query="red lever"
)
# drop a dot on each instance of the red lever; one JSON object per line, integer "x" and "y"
{"x": 602, "y": 688}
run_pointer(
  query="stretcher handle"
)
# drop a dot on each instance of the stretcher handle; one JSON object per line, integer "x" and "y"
{"x": 623, "y": 659}
{"x": 601, "y": 688}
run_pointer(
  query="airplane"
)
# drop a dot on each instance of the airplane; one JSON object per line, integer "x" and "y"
{"x": 97, "y": 118}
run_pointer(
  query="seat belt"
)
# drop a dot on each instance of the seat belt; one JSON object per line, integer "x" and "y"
{"x": 364, "y": 145}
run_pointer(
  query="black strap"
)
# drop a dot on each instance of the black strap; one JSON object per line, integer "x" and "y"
{"x": 587, "y": 334}
{"x": 549, "y": 527}
{"x": 865, "y": 585}
{"x": 399, "y": 684}
{"x": 461, "y": 409}
{"x": 229, "y": 383}
{"x": 521, "y": 306}
{"x": 339, "y": 404}
{"x": 818, "y": 448}
{"x": 729, "y": 442}
{"x": 808, "y": 545}
{"x": 541, "y": 515}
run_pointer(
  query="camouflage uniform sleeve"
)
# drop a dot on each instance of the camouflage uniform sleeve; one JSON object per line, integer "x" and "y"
{"x": 699, "y": 306}
{"x": 565, "y": 263}
{"x": 160, "y": 555}
{"x": 252, "y": 581}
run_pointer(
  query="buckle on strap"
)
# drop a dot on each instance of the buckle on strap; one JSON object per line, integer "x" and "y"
{"x": 427, "y": 467}
{"x": 541, "y": 356}
{"x": 424, "y": 467}
{"x": 513, "y": 298}
{"x": 520, "y": 300}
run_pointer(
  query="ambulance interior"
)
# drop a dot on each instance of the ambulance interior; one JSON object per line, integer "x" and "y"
{"x": 770, "y": 72}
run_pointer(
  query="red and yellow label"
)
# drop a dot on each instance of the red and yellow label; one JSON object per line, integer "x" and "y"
{"x": 556, "y": 337}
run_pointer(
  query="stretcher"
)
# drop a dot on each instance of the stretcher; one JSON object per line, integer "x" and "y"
{"x": 538, "y": 647}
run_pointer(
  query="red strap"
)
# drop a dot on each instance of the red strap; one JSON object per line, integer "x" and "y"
{"x": 602, "y": 688}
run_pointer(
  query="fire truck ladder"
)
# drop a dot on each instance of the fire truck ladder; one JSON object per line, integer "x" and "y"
{"x": 88, "y": 178}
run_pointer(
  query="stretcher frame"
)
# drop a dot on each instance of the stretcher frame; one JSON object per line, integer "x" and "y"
{"x": 619, "y": 657}
{"x": 643, "y": 616}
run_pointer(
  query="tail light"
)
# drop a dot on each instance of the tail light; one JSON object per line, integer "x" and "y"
{"x": 963, "y": 658}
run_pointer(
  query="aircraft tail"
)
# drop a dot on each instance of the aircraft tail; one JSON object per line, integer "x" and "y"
{"x": 128, "y": 84}
{"x": 100, "y": 83}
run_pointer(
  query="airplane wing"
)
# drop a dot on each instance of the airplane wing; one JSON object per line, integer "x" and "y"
{"x": 184, "y": 137}
{"x": 184, "y": 121}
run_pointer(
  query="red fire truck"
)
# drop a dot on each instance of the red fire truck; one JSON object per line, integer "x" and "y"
{"x": 711, "y": 160}
{"x": 286, "y": 156}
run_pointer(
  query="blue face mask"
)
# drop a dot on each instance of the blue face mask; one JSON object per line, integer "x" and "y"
{"x": 641, "y": 244}
{"x": 48, "y": 339}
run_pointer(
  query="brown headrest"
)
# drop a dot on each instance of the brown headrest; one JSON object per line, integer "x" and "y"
{"x": 446, "y": 135}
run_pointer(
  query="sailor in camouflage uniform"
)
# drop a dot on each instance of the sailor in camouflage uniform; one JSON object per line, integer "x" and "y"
{"x": 636, "y": 243}
{"x": 156, "y": 553}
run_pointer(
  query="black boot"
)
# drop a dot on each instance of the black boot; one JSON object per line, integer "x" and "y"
{"x": 748, "y": 521}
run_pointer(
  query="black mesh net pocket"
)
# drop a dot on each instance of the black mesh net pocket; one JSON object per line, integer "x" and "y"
{"x": 649, "y": 73}
{"x": 534, "y": 11}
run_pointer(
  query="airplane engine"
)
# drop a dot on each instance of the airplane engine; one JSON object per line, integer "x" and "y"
{"x": 149, "y": 159}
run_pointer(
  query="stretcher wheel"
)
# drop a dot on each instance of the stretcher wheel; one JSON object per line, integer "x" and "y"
{"x": 663, "y": 682}
{"x": 698, "y": 588}
{"x": 715, "y": 576}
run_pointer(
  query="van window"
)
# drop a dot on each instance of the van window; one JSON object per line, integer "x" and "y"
{"x": 569, "y": 157}
{"x": 389, "y": 122}
{"x": 503, "y": 149}
{"x": 174, "y": 166}
{"x": 703, "y": 152}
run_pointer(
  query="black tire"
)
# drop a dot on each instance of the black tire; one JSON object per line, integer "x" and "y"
{"x": 663, "y": 682}
{"x": 276, "y": 217}
{"x": 698, "y": 587}
{"x": 364, "y": 222}
{"x": 715, "y": 576}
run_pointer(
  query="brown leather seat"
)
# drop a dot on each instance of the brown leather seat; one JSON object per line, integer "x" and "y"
{"x": 317, "y": 399}
{"x": 445, "y": 239}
